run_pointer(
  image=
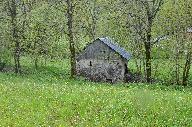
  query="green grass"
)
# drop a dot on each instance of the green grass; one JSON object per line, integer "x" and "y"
{"x": 48, "y": 97}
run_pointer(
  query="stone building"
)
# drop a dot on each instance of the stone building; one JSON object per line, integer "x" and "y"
{"x": 103, "y": 60}
{"x": 189, "y": 32}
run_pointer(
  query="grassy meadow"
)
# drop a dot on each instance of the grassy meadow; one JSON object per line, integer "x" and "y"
{"x": 47, "y": 97}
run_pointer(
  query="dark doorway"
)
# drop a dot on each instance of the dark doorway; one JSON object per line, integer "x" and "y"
{"x": 126, "y": 69}
{"x": 90, "y": 63}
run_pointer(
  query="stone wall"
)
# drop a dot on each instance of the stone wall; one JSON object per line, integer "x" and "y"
{"x": 101, "y": 70}
{"x": 98, "y": 62}
{"x": 98, "y": 50}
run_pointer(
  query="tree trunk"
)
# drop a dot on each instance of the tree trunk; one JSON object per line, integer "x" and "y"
{"x": 148, "y": 61}
{"x": 148, "y": 51}
{"x": 36, "y": 63}
{"x": 71, "y": 38}
{"x": 177, "y": 68}
{"x": 13, "y": 11}
{"x": 177, "y": 72}
{"x": 17, "y": 58}
{"x": 187, "y": 69}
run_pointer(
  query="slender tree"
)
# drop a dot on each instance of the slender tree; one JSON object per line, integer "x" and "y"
{"x": 188, "y": 60}
{"x": 12, "y": 11}
{"x": 70, "y": 10}
{"x": 143, "y": 15}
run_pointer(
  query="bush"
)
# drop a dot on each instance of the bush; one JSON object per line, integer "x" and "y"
{"x": 2, "y": 65}
{"x": 5, "y": 57}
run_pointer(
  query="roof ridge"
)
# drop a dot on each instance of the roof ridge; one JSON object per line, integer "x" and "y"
{"x": 115, "y": 46}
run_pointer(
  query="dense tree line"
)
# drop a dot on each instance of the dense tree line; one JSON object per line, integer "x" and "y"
{"x": 155, "y": 30}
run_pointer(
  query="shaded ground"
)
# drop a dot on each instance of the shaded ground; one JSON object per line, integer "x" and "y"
{"x": 129, "y": 78}
{"x": 61, "y": 69}
{"x": 137, "y": 78}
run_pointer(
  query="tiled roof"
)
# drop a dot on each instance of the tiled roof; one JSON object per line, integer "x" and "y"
{"x": 116, "y": 47}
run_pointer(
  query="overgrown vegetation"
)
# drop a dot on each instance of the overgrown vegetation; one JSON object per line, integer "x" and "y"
{"x": 57, "y": 29}
{"x": 48, "y": 97}
{"x": 38, "y": 45}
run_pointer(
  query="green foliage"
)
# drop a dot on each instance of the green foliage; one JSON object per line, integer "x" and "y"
{"x": 48, "y": 97}
{"x": 5, "y": 56}
{"x": 42, "y": 31}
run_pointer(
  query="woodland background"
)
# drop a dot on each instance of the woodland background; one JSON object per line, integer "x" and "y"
{"x": 155, "y": 32}
{"x": 39, "y": 40}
